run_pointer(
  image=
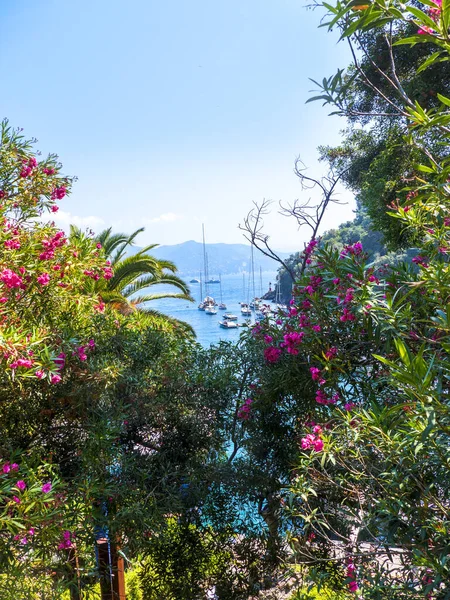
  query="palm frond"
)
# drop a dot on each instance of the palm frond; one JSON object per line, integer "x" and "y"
{"x": 151, "y": 280}
{"x": 162, "y": 322}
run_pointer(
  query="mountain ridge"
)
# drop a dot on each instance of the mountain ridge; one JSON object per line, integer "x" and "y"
{"x": 222, "y": 258}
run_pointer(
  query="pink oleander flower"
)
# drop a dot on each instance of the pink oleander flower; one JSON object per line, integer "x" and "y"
{"x": 10, "y": 279}
{"x": 60, "y": 361}
{"x": 100, "y": 307}
{"x": 268, "y": 339}
{"x": 291, "y": 341}
{"x": 347, "y": 315}
{"x": 107, "y": 273}
{"x": 421, "y": 261}
{"x": 272, "y": 354}
{"x": 21, "y": 485}
{"x": 54, "y": 208}
{"x": 336, "y": 281}
{"x": 310, "y": 247}
{"x": 349, "y": 406}
{"x": 353, "y": 586}
{"x": 17, "y": 500}
{"x": 25, "y": 362}
{"x": 425, "y": 30}
{"x": 44, "y": 279}
{"x": 67, "y": 541}
{"x": 14, "y": 467}
{"x": 316, "y": 328}
{"x": 318, "y": 445}
{"x": 47, "y": 487}
{"x": 6, "y": 468}
{"x": 321, "y": 397}
{"x": 59, "y": 193}
{"x": 55, "y": 379}
{"x": 3, "y": 299}
{"x": 315, "y": 373}
{"x": 307, "y": 441}
{"x": 13, "y": 244}
{"x": 91, "y": 344}
{"x": 40, "y": 374}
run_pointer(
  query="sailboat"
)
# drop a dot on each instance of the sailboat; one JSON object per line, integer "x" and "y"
{"x": 208, "y": 304}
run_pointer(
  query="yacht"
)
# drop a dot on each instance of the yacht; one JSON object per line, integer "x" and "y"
{"x": 230, "y": 317}
{"x": 246, "y": 310}
{"x": 211, "y": 310}
{"x": 227, "y": 324}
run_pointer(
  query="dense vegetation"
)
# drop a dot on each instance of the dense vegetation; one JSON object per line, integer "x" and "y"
{"x": 312, "y": 457}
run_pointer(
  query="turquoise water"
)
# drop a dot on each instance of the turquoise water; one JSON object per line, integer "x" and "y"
{"x": 207, "y": 326}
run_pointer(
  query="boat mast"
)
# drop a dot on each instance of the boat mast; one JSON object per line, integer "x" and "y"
{"x": 260, "y": 282}
{"x": 201, "y": 288}
{"x": 205, "y": 261}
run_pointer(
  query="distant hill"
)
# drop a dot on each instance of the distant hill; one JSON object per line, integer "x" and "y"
{"x": 222, "y": 258}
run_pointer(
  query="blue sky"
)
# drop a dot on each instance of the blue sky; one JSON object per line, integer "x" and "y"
{"x": 172, "y": 113}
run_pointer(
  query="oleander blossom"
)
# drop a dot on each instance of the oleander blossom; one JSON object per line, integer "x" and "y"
{"x": 67, "y": 541}
{"x": 10, "y": 279}
{"x": 47, "y": 487}
{"x": 245, "y": 410}
{"x": 272, "y": 354}
{"x": 313, "y": 440}
{"x": 291, "y": 341}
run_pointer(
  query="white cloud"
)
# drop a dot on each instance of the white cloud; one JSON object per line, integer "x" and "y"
{"x": 64, "y": 219}
{"x": 164, "y": 218}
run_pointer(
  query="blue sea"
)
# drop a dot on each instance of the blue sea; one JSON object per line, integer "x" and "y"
{"x": 235, "y": 289}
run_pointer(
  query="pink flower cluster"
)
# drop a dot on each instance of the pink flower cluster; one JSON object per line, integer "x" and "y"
{"x": 322, "y": 398}
{"x": 49, "y": 170}
{"x": 28, "y": 166}
{"x": 67, "y": 541}
{"x": 314, "y": 282}
{"x": 8, "y": 467}
{"x": 245, "y": 409}
{"x": 10, "y": 279}
{"x": 291, "y": 341}
{"x": 350, "y": 573}
{"x": 12, "y": 244}
{"x": 313, "y": 440}
{"x": 309, "y": 249}
{"x": 59, "y": 193}
{"x": 347, "y": 315}
{"x": 81, "y": 350}
{"x": 27, "y": 363}
{"x": 353, "y": 250}
{"x": 272, "y": 354}
{"x": 421, "y": 261}
{"x": 51, "y": 244}
{"x": 316, "y": 375}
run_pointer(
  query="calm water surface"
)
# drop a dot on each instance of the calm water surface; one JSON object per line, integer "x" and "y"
{"x": 233, "y": 291}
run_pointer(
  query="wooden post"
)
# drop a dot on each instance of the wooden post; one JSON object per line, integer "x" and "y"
{"x": 75, "y": 592}
{"x": 106, "y": 590}
{"x": 118, "y": 573}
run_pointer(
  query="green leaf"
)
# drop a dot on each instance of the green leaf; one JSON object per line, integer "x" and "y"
{"x": 444, "y": 99}
{"x": 422, "y": 17}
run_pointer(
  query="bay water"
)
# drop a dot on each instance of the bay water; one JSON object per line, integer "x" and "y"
{"x": 236, "y": 288}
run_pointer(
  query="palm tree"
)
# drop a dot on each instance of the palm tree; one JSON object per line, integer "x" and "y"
{"x": 134, "y": 275}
